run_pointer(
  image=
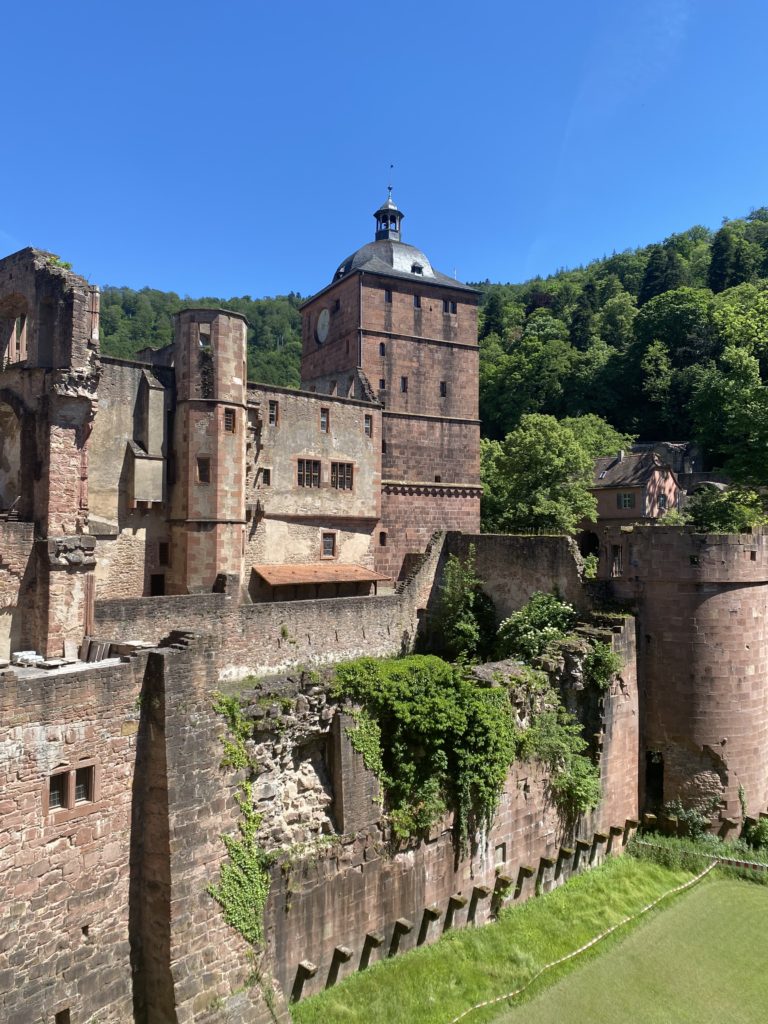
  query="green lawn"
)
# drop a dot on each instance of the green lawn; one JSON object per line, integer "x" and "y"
{"x": 435, "y": 984}
{"x": 702, "y": 960}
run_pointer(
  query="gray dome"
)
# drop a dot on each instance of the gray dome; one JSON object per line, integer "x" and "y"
{"x": 387, "y": 256}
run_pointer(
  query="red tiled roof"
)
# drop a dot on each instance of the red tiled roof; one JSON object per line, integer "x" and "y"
{"x": 316, "y": 572}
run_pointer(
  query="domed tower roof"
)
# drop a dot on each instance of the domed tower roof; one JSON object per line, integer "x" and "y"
{"x": 389, "y": 256}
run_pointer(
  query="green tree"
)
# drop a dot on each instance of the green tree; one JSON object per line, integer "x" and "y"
{"x": 540, "y": 477}
{"x": 733, "y": 511}
{"x": 730, "y": 414}
{"x": 683, "y": 320}
{"x": 596, "y": 436}
{"x": 664, "y": 272}
{"x": 734, "y": 258}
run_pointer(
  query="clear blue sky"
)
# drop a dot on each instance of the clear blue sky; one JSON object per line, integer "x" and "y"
{"x": 240, "y": 147}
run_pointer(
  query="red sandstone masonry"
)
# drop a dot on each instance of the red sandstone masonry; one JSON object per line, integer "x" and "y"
{"x": 344, "y": 893}
{"x": 702, "y": 619}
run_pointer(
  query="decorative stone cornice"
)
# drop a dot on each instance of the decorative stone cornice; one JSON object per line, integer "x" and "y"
{"x": 432, "y": 488}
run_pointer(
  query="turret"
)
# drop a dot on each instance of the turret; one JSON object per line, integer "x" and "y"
{"x": 208, "y": 503}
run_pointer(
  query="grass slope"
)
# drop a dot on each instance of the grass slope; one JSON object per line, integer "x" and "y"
{"x": 702, "y": 961}
{"x": 434, "y": 984}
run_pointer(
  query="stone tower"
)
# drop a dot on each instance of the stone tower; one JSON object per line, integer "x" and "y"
{"x": 393, "y": 329}
{"x": 208, "y": 489}
{"x": 701, "y": 603}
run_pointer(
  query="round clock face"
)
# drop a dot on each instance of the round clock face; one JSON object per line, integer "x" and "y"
{"x": 323, "y": 323}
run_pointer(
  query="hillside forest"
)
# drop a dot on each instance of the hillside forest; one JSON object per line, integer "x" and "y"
{"x": 666, "y": 342}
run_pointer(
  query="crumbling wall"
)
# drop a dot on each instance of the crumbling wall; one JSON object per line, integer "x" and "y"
{"x": 513, "y": 568}
{"x": 338, "y": 905}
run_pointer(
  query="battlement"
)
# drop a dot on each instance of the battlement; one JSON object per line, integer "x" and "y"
{"x": 682, "y": 554}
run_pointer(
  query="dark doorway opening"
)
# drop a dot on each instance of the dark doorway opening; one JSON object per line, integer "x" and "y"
{"x": 654, "y": 778}
{"x": 157, "y": 584}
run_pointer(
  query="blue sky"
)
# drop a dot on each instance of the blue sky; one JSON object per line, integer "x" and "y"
{"x": 240, "y": 147}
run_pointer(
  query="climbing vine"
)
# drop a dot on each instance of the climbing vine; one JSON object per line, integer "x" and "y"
{"x": 243, "y": 886}
{"x": 439, "y": 740}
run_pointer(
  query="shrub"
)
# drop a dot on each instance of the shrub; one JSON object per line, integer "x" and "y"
{"x": 536, "y": 628}
{"x": 465, "y": 619}
{"x": 757, "y": 834}
{"x": 601, "y": 665}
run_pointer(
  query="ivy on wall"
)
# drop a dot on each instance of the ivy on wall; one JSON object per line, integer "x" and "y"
{"x": 440, "y": 740}
{"x": 243, "y": 886}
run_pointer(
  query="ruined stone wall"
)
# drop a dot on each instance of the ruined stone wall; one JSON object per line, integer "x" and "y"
{"x": 121, "y": 419}
{"x": 17, "y": 576}
{"x": 341, "y": 904}
{"x": 126, "y": 561}
{"x": 702, "y": 614}
{"x": 65, "y": 872}
{"x": 268, "y": 637}
{"x": 513, "y": 568}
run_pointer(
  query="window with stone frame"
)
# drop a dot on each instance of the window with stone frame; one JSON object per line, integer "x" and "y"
{"x": 368, "y": 425}
{"x": 341, "y": 475}
{"x": 163, "y": 553}
{"x": 274, "y": 412}
{"x": 625, "y": 499}
{"x": 329, "y": 545}
{"x": 308, "y": 473}
{"x": 325, "y": 420}
{"x": 229, "y": 421}
{"x": 70, "y": 789}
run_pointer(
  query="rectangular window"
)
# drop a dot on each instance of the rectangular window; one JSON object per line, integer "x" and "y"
{"x": 163, "y": 553}
{"x": 404, "y": 385}
{"x": 388, "y": 295}
{"x": 383, "y": 539}
{"x": 229, "y": 421}
{"x": 308, "y": 473}
{"x": 449, "y": 306}
{"x": 662, "y": 502}
{"x": 57, "y": 790}
{"x": 341, "y": 476}
{"x": 382, "y": 384}
{"x": 325, "y": 416}
{"x": 83, "y": 784}
{"x": 417, "y": 302}
{"x": 337, "y": 306}
{"x": 205, "y": 336}
{"x": 329, "y": 545}
{"x": 625, "y": 499}
{"x": 382, "y": 349}
{"x": 266, "y": 477}
{"x": 72, "y": 786}
{"x": 204, "y": 470}
{"x": 443, "y": 388}
{"x": 453, "y": 308}
{"x": 368, "y": 425}
{"x": 273, "y": 413}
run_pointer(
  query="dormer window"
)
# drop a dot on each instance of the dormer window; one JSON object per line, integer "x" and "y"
{"x": 416, "y": 268}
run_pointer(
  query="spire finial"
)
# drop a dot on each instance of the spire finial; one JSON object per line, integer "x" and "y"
{"x": 389, "y": 187}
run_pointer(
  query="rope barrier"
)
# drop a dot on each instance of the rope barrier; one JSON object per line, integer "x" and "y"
{"x": 586, "y": 946}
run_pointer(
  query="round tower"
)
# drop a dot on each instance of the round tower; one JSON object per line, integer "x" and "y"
{"x": 208, "y": 499}
{"x": 702, "y": 615}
